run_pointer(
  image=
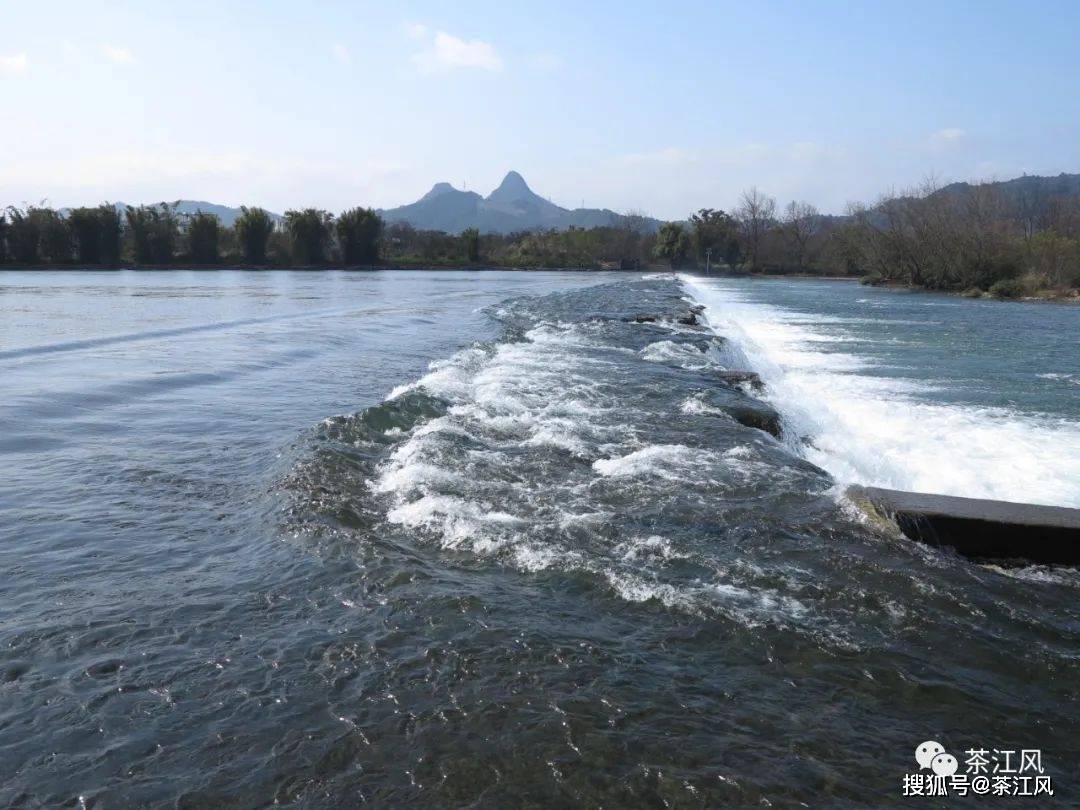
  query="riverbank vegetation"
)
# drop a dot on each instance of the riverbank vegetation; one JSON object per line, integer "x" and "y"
{"x": 977, "y": 239}
{"x": 985, "y": 239}
{"x": 626, "y": 247}
{"x": 982, "y": 239}
{"x": 159, "y": 236}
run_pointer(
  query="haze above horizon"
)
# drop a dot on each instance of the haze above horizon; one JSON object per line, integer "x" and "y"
{"x": 598, "y": 105}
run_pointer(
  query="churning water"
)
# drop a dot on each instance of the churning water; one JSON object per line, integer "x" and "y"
{"x": 541, "y": 555}
{"x": 916, "y": 391}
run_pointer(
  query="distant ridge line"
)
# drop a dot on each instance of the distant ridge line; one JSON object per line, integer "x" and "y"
{"x": 511, "y": 207}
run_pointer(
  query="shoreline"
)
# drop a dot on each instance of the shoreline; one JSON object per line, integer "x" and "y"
{"x": 1069, "y": 297}
{"x": 365, "y": 268}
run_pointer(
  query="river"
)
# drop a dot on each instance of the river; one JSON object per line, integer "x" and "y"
{"x": 492, "y": 539}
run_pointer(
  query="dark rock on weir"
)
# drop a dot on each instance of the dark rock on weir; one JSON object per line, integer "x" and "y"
{"x": 741, "y": 379}
{"x": 702, "y": 342}
{"x": 685, "y": 317}
{"x": 692, "y": 316}
{"x": 761, "y": 417}
{"x": 745, "y": 410}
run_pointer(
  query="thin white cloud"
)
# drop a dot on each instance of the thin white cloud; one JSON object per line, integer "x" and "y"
{"x": 946, "y": 138}
{"x": 416, "y": 30}
{"x": 341, "y": 53}
{"x": 121, "y": 56}
{"x": 447, "y": 52}
{"x": 950, "y": 134}
{"x": 10, "y": 65}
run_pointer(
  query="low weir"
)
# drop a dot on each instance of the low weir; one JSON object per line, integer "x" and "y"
{"x": 980, "y": 529}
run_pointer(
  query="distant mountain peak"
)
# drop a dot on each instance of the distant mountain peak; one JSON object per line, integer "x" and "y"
{"x": 437, "y": 190}
{"x": 513, "y": 187}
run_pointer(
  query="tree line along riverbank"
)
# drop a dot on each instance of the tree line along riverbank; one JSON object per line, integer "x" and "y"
{"x": 977, "y": 240}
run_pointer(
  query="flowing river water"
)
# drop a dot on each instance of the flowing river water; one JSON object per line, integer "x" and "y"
{"x": 499, "y": 539}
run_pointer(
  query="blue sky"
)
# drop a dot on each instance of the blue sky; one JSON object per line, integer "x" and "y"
{"x": 659, "y": 107}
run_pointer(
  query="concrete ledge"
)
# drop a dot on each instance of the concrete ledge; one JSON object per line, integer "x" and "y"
{"x": 980, "y": 529}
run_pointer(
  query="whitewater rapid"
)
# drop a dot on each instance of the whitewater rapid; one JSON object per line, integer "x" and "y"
{"x": 888, "y": 431}
{"x": 587, "y": 445}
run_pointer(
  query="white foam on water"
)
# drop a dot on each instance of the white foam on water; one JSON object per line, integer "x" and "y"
{"x": 645, "y": 548}
{"x": 1069, "y": 378}
{"x": 673, "y": 353}
{"x": 669, "y": 461}
{"x": 445, "y": 377}
{"x": 635, "y": 588}
{"x": 413, "y": 475}
{"x": 452, "y": 475}
{"x": 887, "y": 432}
{"x": 1041, "y": 574}
{"x": 461, "y": 522}
{"x": 697, "y": 405}
{"x": 457, "y": 479}
{"x": 749, "y": 606}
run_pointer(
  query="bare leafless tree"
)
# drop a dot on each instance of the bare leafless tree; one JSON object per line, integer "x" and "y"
{"x": 801, "y": 221}
{"x": 756, "y": 213}
{"x": 1028, "y": 205}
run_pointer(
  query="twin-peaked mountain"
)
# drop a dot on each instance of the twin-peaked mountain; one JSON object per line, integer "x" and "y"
{"x": 513, "y": 206}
